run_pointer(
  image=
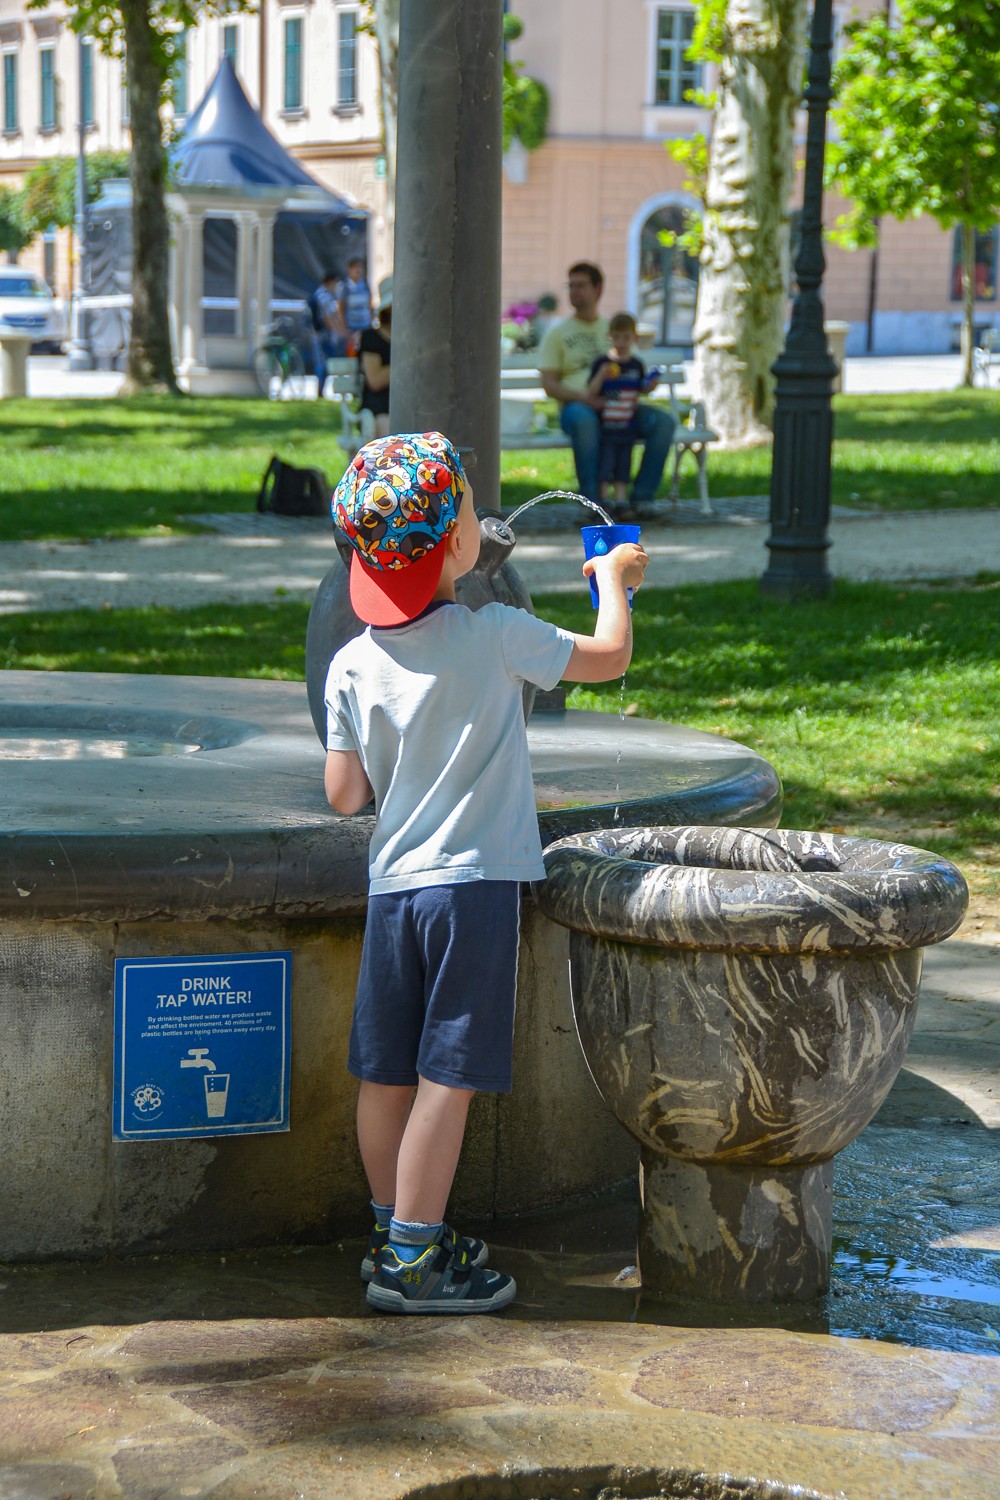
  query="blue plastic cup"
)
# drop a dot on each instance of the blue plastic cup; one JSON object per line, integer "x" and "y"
{"x": 597, "y": 540}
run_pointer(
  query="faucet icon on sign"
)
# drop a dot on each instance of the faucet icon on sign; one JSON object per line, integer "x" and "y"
{"x": 216, "y": 1084}
{"x": 198, "y": 1058}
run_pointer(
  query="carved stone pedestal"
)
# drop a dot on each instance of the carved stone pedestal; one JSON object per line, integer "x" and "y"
{"x": 744, "y": 998}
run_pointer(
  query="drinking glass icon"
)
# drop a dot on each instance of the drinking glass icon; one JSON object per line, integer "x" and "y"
{"x": 216, "y": 1094}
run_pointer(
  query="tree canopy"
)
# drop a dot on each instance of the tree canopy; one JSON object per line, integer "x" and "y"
{"x": 49, "y": 193}
{"x": 918, "y": 120}
{"x": 525, "y": 99}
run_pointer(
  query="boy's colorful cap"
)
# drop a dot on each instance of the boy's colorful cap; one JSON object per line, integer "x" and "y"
{"x": 397, "y": 502}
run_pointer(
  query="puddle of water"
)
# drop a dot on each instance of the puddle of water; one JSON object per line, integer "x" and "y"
{"x": 29, "y": 744}
{"x": 860, "y": 1267}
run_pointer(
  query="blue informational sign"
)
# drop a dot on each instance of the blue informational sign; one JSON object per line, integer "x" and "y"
{"x": 202, "y": 1045}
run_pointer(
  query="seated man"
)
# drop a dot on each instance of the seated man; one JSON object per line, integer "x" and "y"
{"x": 565, "y": 359}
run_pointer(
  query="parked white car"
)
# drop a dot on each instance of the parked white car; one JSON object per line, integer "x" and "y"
{"x": 26, "y": 303}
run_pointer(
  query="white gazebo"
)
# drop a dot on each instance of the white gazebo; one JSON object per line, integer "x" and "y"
{"x": 232, "y": 179}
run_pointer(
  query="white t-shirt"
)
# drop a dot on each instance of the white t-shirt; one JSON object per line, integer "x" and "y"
{"x": 434, "y": 710}
{"x": 571, "y": 348}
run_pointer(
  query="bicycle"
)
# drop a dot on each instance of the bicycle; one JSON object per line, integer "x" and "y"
{"x": 278, "y": 364}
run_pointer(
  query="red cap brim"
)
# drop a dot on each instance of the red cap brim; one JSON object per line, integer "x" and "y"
{"x": 393, "y": 596}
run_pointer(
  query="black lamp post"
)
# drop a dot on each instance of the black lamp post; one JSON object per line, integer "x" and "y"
{"x": 803, "y": 419}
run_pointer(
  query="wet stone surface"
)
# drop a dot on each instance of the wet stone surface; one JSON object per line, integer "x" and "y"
{"x": 264, "y": 1376}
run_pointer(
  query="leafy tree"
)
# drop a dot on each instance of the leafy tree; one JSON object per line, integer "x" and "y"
{"x": 49, "y": 194}
{"x": 525, "y": 99}
{"x": 13, "y": 234}
{"x": 145, "y": 32}
{"x": 747, "y": 169}
{"x": 919, "y": 126}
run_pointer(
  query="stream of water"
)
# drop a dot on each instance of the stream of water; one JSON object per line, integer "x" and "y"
{"x": 560, "y": 495}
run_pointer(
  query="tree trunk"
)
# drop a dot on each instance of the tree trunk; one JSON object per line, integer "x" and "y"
{"x": 387, "y": 36}
{"x": 743, "y": 291}
{"x": 150, "y": 365}
{"x": 968, "y": 338}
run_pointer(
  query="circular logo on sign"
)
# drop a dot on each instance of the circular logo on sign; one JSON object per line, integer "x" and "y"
{"x": 147, "y": 1100}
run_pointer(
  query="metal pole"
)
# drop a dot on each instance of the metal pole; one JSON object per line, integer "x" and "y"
{"x": 803, "y": 418}
{"x": 80, "y": 356}
{"x": 446, "y": 278}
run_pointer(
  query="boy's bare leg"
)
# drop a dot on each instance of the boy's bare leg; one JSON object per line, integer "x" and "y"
{"x": 621, "y": 491}
{"x": 429, "y": 1152}
{"x": 383, "y": 1111}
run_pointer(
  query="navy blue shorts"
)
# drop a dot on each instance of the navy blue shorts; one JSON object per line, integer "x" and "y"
{"x": 616, "y": 458}
{"x": 437, "y": 985}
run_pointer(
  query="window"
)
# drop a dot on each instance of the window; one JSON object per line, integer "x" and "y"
{"x": 48, "y": 60}
{"x": 10, "y": 110}
{"x": 347, "y": 58}
{"x": 668, "y": 277}
{"x": 180, "y": 75}
{"x": 675, "y": 74}
{"x": 293, "y": 63}
{"x": 985, "y": 273}
{"x": 86, "y": 83}
{"x": 230, "y": 42}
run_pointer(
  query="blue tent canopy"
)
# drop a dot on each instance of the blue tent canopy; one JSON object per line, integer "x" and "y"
{"x": 227, "y": 144}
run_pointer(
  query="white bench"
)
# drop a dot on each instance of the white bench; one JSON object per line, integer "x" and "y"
{"x": 987, "y": 355}
{"x": 520, "y": 431}
{"x": 344, "y": 387}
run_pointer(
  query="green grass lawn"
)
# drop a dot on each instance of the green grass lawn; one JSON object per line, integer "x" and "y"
{"x": 132, "y": 468}
{"x": 879, "y": 707}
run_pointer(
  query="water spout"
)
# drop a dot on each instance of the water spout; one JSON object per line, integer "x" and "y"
{"x": 561, "y": 495}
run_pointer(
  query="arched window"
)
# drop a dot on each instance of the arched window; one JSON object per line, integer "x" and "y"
{"x": 985, "y": 273}
{"x": 666, "y": 285}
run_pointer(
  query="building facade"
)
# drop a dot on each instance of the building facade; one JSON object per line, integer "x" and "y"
{"x": 601, "y": 187}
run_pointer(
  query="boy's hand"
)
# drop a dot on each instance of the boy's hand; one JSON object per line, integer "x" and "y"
{"x": 624, "y": 566}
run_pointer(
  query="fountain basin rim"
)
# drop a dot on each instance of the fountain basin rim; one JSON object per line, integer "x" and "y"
{"x": 245, "y": 830}
{"x": 903, "y": 899}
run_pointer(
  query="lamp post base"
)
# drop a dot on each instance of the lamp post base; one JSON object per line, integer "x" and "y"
{"x": 796, "y": 570}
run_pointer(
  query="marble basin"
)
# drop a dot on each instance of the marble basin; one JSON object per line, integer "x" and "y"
{"x": 744, "y": 998}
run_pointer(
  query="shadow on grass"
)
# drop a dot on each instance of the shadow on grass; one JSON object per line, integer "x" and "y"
{"x": 181, "y": 421}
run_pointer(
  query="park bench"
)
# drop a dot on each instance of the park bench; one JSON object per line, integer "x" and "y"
{"x": 523, "y": 428}
{"x": 344, "y": 387}
{"x": 987, "y": 354}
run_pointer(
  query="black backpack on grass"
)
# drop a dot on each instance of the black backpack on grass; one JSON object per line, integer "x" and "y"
{"x": 288, "y": 491}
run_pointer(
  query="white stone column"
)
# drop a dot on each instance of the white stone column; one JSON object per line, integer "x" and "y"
{"x": 194, "y": 276}
{"x": 244, "y": 253}
{"x": 264, "y": 280}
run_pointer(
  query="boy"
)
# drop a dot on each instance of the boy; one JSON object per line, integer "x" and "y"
{"x": 424, "y": 713}
{"x": 619, "y": 377}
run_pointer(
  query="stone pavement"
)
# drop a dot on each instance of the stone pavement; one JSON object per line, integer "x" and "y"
{"x": 262, "y": 1375}
{"x": 49, "y": 377}
{"x": 255, "y": 559}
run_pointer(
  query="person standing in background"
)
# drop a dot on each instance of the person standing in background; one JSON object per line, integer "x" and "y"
{"x": 354, "y": 303}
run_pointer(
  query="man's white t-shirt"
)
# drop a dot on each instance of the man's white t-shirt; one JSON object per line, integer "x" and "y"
{"x": 570, "y": 347}
{"x": 433, "y": 708}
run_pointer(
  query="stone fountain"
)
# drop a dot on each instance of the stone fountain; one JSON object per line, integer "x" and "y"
{"x": 149, "y": 817}
{"x": 744, "y": 997}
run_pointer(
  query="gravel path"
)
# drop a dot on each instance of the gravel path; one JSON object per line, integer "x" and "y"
{"x": 262, "y": 558}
